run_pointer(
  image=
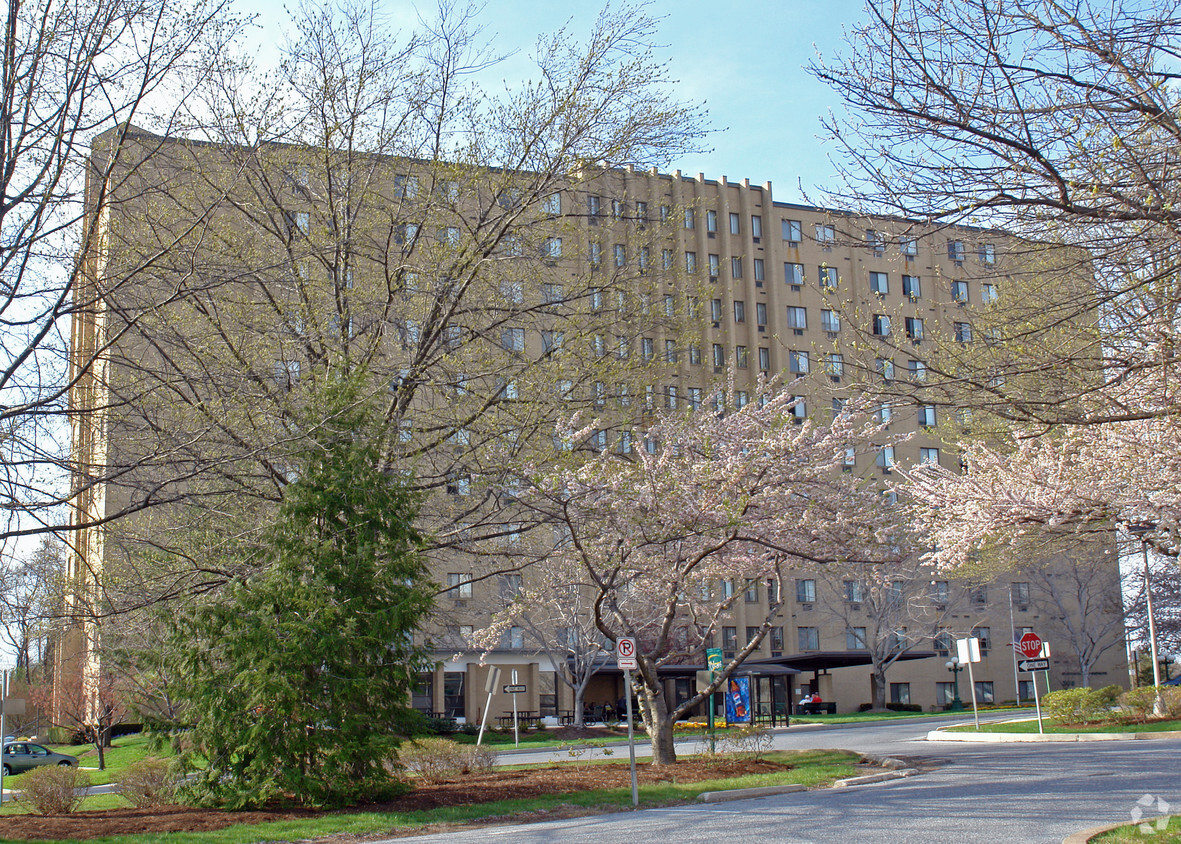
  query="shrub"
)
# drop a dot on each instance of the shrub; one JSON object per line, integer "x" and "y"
{"x": 1139, "y": 704}
{"x": 904, "y": 707}
{"x": 54, "y": 789}
{"x": 438, "y": 760}
{"x": 1079, "y": 706}
{"x": 748, "y": 741}
{"x": 441, "y": 726}
{"x": 148, "y": 782}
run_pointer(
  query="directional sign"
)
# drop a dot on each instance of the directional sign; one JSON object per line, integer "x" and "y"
{"x": 1033, "y": 665}
{"x": 515, "y": 689}
{"x": 625, "y": 653}
{"x": 1030, "y": 645}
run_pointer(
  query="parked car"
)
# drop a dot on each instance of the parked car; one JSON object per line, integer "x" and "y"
{"x": 21, "y": 755}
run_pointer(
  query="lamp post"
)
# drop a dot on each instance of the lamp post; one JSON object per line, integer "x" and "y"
{"x": 953, "y": 665}
{"x": 1140, "y": 530}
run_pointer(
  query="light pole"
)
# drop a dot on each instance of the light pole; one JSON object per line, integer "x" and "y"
{"x": 1140, "y": 530}
{"x": 953, "y": 665}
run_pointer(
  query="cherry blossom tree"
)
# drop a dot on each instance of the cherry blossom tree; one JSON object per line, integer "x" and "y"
{"x": 705, "y": 498}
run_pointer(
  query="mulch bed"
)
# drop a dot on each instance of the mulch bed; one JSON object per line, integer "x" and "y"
{"x": 474, "y": 788}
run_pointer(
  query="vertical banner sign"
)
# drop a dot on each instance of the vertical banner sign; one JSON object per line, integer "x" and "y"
{"x": 738, "y": 700}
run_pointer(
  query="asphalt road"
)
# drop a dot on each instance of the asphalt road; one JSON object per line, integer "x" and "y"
{"x": 975, "y": 793}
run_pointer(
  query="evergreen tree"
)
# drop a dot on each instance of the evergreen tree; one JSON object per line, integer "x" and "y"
{"x": 296, "y": 679}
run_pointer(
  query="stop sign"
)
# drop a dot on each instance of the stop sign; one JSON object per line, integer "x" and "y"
{"x": 1030, "y": 645}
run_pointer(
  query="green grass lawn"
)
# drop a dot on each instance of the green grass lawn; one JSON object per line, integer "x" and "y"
{"x": 856, "y": 717}
{"x": 1132, "y": 833}
{"x": 1054, "y": 727}
{"x": 813, "y": 768}
{"x": 125, "y": 750}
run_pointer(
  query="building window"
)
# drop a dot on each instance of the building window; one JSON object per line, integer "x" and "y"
{"x": 806, "y": 591}
{"x": 405, "y": 187}
{"x": 825, "y": 235}
{"x": 962, "y": 332}
{"x": 885, "y": 458}
{"x": 876, "y": 242}
{"x": 776, "y": 640}
{"x": 900, "y": 693}
{"x": 885, "y": 368}
{"x": 879, "y": 283}
{"x": 830, "y": 321}
{"x": 987, "y": 254}
{"x": 756, "y": 226}
{"x": 761, "y": 313}
{"x": 299, "y": 222}
{"x": 944, "y": 643}
{"x": 828, "y": 278}
{"x": 955, "y": 251}
{"x": 793, "y": 274}
{"x": 927, "y": 418}
{"x": 690, "y": 262}
{"x": 593, "y": 206}
{"x": 617, "y": 209}
{"x": 850, "y": 458}
{"x": 881, "y": 325}
{"x": 719, "y": 355}
{"x": 797, "y": 317}
{"x": 939, "y": 591}
{"x": 739, "y": 310}
{"x": 911, "y": 286}
{"x": 908, "y": 246}
{"x": 929, "y": 456}
{"x": 666, "y": 259}
{"x": 760, "y": 271}
{"x": 793, "y": 231}
{"x": 959, "y": 292}
{"x": 987, "y": 293}
{"x": 898, "y": 640}
{"x": 735, "y": 223}
{"x": 855, "y": 639}
{"x": 729, "y": 638}
{"x": 917, "y": 370}
{"x": 620, "y": 255}
{"x": 764, "y": 359}
{"x": 670, "y": 351}
{"x": 914, "y": 328}
{"x": 741, "y": 399}
{"x": 711, "y": 221}
{"x": 459, "y": 585}
{"x": 984, "y": 692}
{"x": 690, "y": 219}
{"x": 1025, "y": 689}
{"x": 694, "y": 397}
{"x": 984, "y": 634}
{"x": 740, "y": 356}
{"x": 853, "y": 591}
{"x": 808, "y": 638}
{"x": 670, "y": 305}
{"x": 715, "y": 310}
{"x": 647, "y": 349}
{"x": 798, "y": 362}
{"x": 835, "y": 363}
{"x": 1021, "y": 593}
{"x": 736, "y": 267}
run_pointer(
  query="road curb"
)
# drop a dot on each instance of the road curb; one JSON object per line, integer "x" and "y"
{"x": 869, "y": 779}
{"x": 748, "y": 793}
{"x": 943, "y": 735}
{"x": 1087, "y": 834}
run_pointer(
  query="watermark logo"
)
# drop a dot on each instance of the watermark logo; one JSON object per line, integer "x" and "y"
{"x": 1151, "y": 803}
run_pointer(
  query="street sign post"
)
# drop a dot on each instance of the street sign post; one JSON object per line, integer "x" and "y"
{"x": 1030, "y": 645}
{"x": 625, "y": 657}
{"x": 489, "y": 688}
{"x": 625, "y": 653}
{"x": 968, "y": 651}
{"x": 1033, "y": 664}
{"x": 516, "y": 724}
{"x": 713, "y": 661}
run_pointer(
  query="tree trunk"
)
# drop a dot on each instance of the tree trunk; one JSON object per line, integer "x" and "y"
{"x": 878, "y": 686}
{"x": 99, "y": 746}
{"x": 578, "y": 692}
{"x": 659, "y": 725}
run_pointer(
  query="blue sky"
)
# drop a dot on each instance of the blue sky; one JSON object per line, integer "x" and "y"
{"x": 743, "y": 60}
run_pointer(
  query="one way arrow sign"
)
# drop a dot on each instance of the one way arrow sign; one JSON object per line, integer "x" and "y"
{"x": 1033, "y": 665}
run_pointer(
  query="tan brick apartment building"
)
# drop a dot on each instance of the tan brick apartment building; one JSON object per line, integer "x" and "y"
{"x": 485, "y": 304}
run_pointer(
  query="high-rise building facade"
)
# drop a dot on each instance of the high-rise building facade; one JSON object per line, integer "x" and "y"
{"x": 483, "y": 306}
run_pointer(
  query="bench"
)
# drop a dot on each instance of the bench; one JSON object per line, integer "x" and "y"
{"x": 818, "y": 708}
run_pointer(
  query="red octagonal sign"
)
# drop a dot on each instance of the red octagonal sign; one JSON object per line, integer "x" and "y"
{"x": 1030, "y": 645}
